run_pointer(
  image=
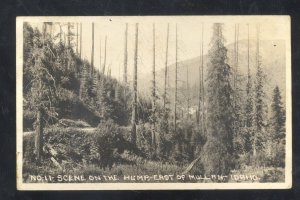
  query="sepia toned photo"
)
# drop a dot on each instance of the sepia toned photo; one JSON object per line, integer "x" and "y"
{"x": 154, "y": 103}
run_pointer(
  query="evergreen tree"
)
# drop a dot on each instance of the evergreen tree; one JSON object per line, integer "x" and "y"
{"x": 260, "y": 110}
{"x": 276, "y": 134}
{"x": 105, "y": 99}
{"x": 277, "y": 121}
{"x": 218, "y": 150}
{"x": 28, "y": 34}
{"x": 83, "y": 94}
{"x": 260, "y": 116}
{"x": 96, "y": 92}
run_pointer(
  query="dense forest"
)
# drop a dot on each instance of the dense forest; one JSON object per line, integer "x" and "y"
{"x": 79, "y": 119}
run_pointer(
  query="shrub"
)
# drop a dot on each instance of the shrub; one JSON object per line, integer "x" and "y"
{"x": 273, "y": 175}
{"x": 109, "y": 143}
{"x": 215, "y": 158}
{"x": 144, "y": 138}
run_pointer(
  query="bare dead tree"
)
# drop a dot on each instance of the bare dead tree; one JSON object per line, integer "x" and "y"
{"x": 248, "y": 61}
{"x": 153, "y": 96}
{"x": 187, "y": 92}
{"x": 235, "y": 75}
{"x": 258, "y": 127}
{"x": 39, "y": 120}
{"x": 166, "y": 69}
{"x": 119, "y": 74}
{"x": 77, "y": 38}
{"x": 104, "y": 62}
{"x": 60, "y": 33}
{"x": 125, "y": 55}
{"x": 200, "y": 117}
{"x": 92, "y": 56}
{"x": 134, "y": 103}
{"x": 80, "y": 39}
{"x": 175, "y": 95}
{"x": 202, "y": 83}
{"x": 100, "y": 56}
{"x": 236, "y": 57}
{"x": 125, "y": 65}
{"x": 50, "y": 31}
{"x": 39, "y": 143}
{"x": 69, "y": 34}
{"x": 237, "y": 52}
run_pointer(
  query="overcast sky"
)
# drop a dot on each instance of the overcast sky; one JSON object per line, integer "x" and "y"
{"x": 189, "y": 36}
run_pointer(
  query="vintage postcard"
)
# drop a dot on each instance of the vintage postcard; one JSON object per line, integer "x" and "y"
{"x": 154, "y": 103}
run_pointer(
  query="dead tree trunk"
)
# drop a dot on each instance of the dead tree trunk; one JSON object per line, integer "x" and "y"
{"x": 92, "y": 56}
{"x": 175, "y": 95}
{"x": 125, "y": 55}
{"x": 202, "y": 85}
{"x": 199, "y": 93}
{"x": 187, "y": 92}
{"x": 236, "y": 56}
{"x": 153, "y": 97}
{"x": 100, "y": 56}
{"x": 199, "y": 121}
{"x": 257, "y": 65}
{"x": 51, "y": 29}
{"x": 69, "y": 35}
{"x": 235, "y": 75}
{"x": 77, "y": 38}
{"x": 125, "y": 66}
{"x": 39, "y": 126}
{"x": 39, "y": 135}
{"x": 80, "y": 40}
{"x": 166, "y": 69}
{"x": 60, "y": 33}
{"x": 134, "y": 104}
{"x": 104, "y": 62}
{"x": 248, "y": 62}
{"x": 191, "y": 166}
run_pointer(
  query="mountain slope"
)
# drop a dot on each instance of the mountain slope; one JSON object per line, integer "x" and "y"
{"x": 272, "y": 56}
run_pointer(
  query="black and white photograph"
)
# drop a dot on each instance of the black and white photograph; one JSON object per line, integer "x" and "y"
{"x": 154, "y": 102}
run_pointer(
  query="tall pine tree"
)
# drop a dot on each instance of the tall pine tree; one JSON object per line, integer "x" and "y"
{"x": 276, "y": 133}
{"x": 218, "y": 150}
{"x": 277, "y": 120}
{"x": 260, "y": 105}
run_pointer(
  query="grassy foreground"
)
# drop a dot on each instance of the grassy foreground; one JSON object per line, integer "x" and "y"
{"x": 90, "y": 155}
